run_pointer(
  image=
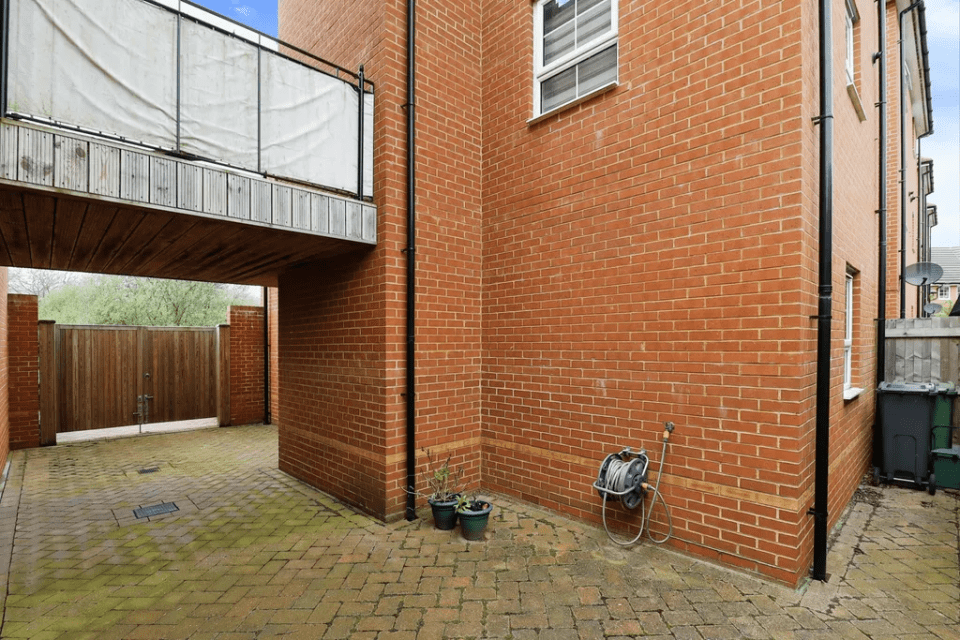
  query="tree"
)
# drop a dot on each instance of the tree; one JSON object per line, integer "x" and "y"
{"x": 69, "y": 305}
{"x": 41, "y": 282}
{"x": 126, "y": 300}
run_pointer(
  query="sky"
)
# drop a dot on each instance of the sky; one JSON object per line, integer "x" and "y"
{"x": 258, "y": 14}
{"x": 943, "y": 146}
{"x": 943, "y": 40}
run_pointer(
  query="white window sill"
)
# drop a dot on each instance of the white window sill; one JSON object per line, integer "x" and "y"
{"x": 855, "y": 98}
{"x": 851, "y": 392}
{"x": 567, "y": 105}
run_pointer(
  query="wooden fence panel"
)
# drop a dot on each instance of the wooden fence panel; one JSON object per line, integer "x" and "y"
{"x": 223, "y": 375}
{"x": 96, "y": 371}
{"x": 182, "y": 367}
{"x": 924, "y": 350}
{"x": 103, "y": 371}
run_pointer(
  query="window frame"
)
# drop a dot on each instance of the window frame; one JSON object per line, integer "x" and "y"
{"x": 543, "y": 73}
{"x": 851, "y": 18}
{"x": 941, "y": 290}
{"x": 849, "y": 334}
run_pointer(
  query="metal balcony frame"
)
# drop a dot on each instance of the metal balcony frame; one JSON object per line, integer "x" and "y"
{"x": 356, "y": 80}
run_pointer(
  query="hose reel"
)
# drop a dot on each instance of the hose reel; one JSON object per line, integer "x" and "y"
{"x": 623, "y": 477}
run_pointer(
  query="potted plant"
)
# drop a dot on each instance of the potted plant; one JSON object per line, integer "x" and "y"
{"x": 474, "y": 514}
{"x": 444, "y": 492}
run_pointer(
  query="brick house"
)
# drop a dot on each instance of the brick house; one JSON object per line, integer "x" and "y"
{"x": 945, "y": 292}
{"x": 609, "y": 235}
{"x": 611, "y": 232}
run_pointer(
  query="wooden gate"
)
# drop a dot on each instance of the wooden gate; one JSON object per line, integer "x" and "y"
{"x": 116, "y": 376}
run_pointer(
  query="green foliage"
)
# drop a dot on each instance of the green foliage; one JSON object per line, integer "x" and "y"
{"x": 127, "y": 300}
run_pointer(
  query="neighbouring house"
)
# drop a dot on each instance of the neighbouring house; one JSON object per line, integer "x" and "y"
{"x": 616, "y": 225}
{"x": 945, "y": 291}
{"x": 592, "y": 217}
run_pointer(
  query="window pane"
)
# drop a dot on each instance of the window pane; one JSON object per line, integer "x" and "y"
{"x": 558, "y": 43}
{"x": 584, "y": 5}
{"x": 593, "y": 23}
{"x": 597, "y": 70}
{"x": 849, "y": 36}
{"x": 559, "y": 89}
{"x": 557, "y": 13}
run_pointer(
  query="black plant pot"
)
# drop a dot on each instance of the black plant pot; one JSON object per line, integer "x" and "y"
{"x": 473, "y": 521}
{"x": 444, "y": 513}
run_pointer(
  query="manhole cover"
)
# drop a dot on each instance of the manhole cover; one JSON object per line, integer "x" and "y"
{"x": 155, "y": 510}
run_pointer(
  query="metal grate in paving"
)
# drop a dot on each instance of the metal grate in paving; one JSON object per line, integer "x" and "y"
{"x": 155, "y": 510}
{"x": 149, "y": 470}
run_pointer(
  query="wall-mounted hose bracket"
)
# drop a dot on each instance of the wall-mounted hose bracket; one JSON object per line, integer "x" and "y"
{"x": 623, "y": 477}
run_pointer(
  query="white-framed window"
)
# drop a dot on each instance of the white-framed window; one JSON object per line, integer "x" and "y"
{"x": 575, "y": 51}
{"x": 848, "y": 334}
{"x": 943, "y": 292}
{"x": 851, "y": 19}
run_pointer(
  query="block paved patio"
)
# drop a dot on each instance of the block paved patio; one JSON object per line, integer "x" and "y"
{"x": 252, "y": 553}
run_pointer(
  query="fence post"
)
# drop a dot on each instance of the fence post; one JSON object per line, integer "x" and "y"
{"x": 223, "y": 375}
{"x": 49, "y": 414}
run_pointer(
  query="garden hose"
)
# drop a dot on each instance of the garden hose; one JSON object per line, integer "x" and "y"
{"x": 617, "y": 477}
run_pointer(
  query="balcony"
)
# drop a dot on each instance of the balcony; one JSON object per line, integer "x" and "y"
{"x": 184, "y": 119}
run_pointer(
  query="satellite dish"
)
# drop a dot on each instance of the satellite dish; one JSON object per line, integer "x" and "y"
{"x": 931, "y": 308}
{"x": 923, "y": 273}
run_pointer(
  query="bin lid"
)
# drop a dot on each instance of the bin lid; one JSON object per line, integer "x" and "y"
{"x": 947, "y": 388}
{"x": 908, "y": 387}
{"x": 952, "y": 452}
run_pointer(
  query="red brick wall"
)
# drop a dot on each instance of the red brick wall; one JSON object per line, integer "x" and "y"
{"x": 342, "y": 336}
{"x": 648, "y": 255}
{"x": 23, "y": 371}
{"x": 332, "y": 385}
{"x": 644, "y": 258}
{"x": 340, "y": 411}
{"x": 4, "y": 377}
{"x": 246, "y": 365}
{"x": 894, "y": 207}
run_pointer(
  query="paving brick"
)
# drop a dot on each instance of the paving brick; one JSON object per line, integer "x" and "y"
{"x": 224, "y": 572}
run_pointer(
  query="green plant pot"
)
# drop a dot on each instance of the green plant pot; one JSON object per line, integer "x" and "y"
{"x": 473, "y": 522}
{"x": 444, "y": 513}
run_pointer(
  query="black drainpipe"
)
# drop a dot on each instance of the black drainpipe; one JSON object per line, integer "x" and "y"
{"x": 4, "y": 45}
{"x": 825, "y": 120}
{"x": 266, "y": 356}
{"x": 881, "y": 58}
{"x": 921, "y": 229}
{"x": 411, "y": 267}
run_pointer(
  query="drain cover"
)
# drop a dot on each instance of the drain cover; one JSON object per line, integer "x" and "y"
{"x": 149, "y": 470}
{"x": 155, "y": 510}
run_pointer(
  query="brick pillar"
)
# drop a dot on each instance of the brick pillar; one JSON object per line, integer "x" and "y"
{"x": 24, "y": 371}
{"x": 273, "y": 316}
{"x": 4, "y": 370}
{"x": 246, "y": 365}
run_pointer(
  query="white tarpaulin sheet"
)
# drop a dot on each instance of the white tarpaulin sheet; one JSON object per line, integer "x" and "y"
{"x": 108, "y": 66}
{"x": 111, "y": 66}
{"x": 218, "y": 109}
{"x": 310, "y": 124}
